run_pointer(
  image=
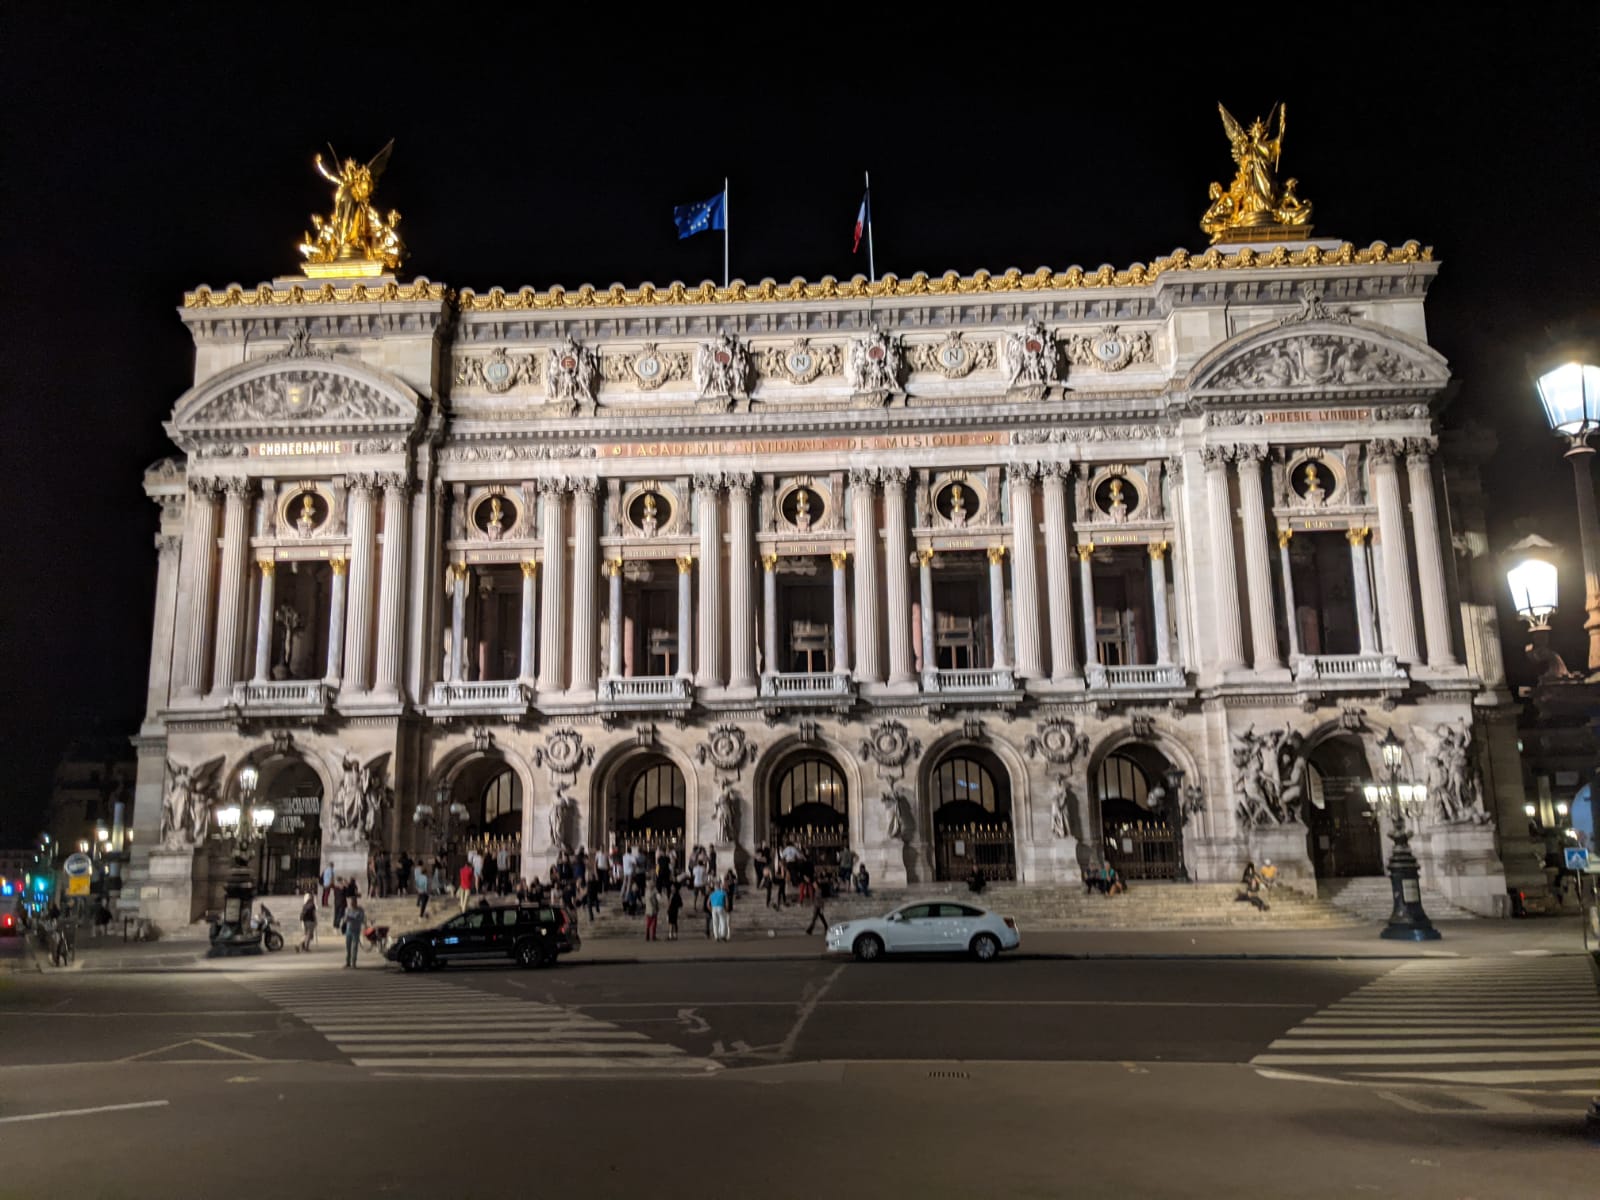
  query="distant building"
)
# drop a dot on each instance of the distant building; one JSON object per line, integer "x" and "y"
{"x": 95, "y": 773}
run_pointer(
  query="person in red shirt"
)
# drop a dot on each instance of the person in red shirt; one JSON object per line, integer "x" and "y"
{"x": 465, "y": 889}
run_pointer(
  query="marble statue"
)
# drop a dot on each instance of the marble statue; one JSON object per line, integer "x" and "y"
{"x": 724, "y": 815}
{"x": 1270, "y": 769}
{"x": 1061, "y": 810}
{"x": 562, "y": 809}
{"x": 1452, "y": 783}
{"x": 186, "y": 807}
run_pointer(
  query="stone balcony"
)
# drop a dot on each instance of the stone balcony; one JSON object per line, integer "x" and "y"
{"x": 1358, "y": 669}
{"x": 801, "y": 688}
{"x": 1135, "y": 678}
{"x": 283, "y": 698}
{"x": 487, "y": 697}
{"x": 971, "y": 681}
{"x": 645, "y": 693}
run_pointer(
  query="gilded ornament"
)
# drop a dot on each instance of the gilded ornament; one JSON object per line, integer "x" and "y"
{"x": 355, "y": 238}
{"x": 1255, "y": 207}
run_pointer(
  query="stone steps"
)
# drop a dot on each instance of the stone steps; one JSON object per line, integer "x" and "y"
{"x": 1371, "y": 898}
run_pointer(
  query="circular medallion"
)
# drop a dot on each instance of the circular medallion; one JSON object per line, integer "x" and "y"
{"x": 497, "y": 371}
{"x": 647, "y": 366}
{"x": 875, "y": 353}
{"x": 1033, "y": 345}
{"x": 569, "y": 363}
{"x": 799, "y": 362}
{"x": 1109, "y": 349}
{"x": 723, "y": 358}
{"x": 953, "y": 356}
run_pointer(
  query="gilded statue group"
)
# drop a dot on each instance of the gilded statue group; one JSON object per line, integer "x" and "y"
{"x": 1255, "y": 201}
{"x": 355, "y": 231}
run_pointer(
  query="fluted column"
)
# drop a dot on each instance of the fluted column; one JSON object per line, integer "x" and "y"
{"x": 997, "y": 607}
{"x": 264, "y": 602}
{"x": 169, "y": 556}
{"x": 1293, "y": 622}
{"x": 769, "y": 614}
{"x": 1363, "y": 588}
{"x": 458, "y": 622}
{"x": 614, "y": 618}
{"x": 585, "y": 575}
{"x": 1091, "y": 652}
{"x": 1158, "y": 602}
{"x": 195, "y": 596}
{"x": 230, "y": 585}
{"x": 686, "y": 617}
{"x": 336, "y": 606}
{"x": 1430, "y": 554}
{"x": 358, "y": 624}
{"x": 925, "y": 592}
{"x": 741, "y": 604}
{"x": 898, "y": 556}
{"x": 709, "y": 489}
{"x": 1024, "y": 573}
{"x": 863, "y": 489}
{"x": 392, "y": 584}
{"x": 530, "y": 606}
{"x": 1063, "y": 656}
{"x": 1396, "y": 562}
{"x": 552, "y": 598}
{"x": 1224, "y": 568}
{"x": 841, "y": 612}
{"x": 1257, "y": 559}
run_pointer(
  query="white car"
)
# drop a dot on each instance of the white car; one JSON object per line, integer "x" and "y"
{"x": 926, "y": 927}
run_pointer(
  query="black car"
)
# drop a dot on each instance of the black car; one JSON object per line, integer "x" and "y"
{"x": 527, "y": 934}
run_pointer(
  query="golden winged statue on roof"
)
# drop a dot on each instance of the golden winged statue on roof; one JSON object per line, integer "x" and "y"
{"x": 355, "y": 235}
{"x": 1255, "y": 205}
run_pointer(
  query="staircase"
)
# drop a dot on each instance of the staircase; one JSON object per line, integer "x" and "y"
{"x": 1371, "y": 898}
{"x": 1144, "y": 906}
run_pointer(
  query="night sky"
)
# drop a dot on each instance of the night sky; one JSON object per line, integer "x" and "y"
{"x": 149, "y": 148}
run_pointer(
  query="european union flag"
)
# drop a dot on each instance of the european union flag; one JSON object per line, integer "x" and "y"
{"x": 702, "y": 217}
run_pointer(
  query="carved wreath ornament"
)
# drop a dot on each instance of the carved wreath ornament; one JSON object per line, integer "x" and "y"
{"x": 727, "y": 749}
{"x": 890, "y": 745}
{"x": 1057, "y": 741}
{"x": 564, "y": 752}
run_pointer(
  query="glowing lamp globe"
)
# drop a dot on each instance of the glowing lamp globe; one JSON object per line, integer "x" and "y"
{"x": 1570, "y": 394}
{"x": 1533, "y": 591}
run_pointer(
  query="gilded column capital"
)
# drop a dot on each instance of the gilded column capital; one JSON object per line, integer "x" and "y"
{"x": 838, "y": 558}
{"x": 530, "y": 567}
{"x": 997, "y": 555}
{"x": 1284, "y": 537}
{"x": 1158, "y": 550}
{"x": 925, "y": 556}
{"x": 685, "y": 564}
{"x": 611, "y": 568}
{"x": 1085, "y": 551}
{"x": 267, "y": 566}
{"x": 458, "y": 571}
{"x": 769, "y": 562}
{"x": 339, "y": 565}
{"x": 1357, "y": 537}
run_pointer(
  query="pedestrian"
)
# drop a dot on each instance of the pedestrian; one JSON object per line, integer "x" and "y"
{"x": 591, "y": 897}
{"x": 1250, "y": 882}
{"x": 102, "y": 918}
{"x": 780, "y": 874}
{"x": 652, "y": 912}
{"x": 975, "y": 881}
{"x": 730, "y": 884}
{"x": 766, "y": 883}
{"x": 421, "y": 881}
{"x": 308, "y": 923}
{"x": 817, "y": 914}
{"x": 602, "y": 867}
{"x": 502, "y": 867}
{"x": 674, "y": 907}
{"x": 719, "y": 915}
{"x": 464, "y": 879}
{"x": 327, "y": 883}
{"x": 699, "y": 884}
{"x": 338, "y": 903}
{"x": 863, "y": 881}
{"x": 489, "y": 875}
{"x": 355, "y": 922}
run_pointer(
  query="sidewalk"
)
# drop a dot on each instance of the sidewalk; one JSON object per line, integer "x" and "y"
{"x": 1462, "y": 939}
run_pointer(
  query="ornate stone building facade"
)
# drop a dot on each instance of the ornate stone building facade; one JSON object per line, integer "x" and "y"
{"x": 1015, "y": 571}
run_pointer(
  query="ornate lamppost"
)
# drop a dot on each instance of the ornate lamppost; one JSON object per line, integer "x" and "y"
{"x": 1408, "y": 923}
{"x": 242, "y": 826}
{"x": 440, "y": 817}
{"x": 1568, "y": 383}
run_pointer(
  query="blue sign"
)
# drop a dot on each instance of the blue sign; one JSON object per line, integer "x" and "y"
{"x": 1577, "y": 858}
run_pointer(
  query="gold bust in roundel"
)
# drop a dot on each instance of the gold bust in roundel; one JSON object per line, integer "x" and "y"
{"x": 958, "y": 504}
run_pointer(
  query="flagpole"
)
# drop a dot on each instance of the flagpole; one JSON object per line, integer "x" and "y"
{"x": 872, "y": 266}
{"x": 725, "y": 232}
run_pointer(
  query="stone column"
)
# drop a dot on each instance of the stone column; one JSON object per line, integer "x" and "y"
{"x": 925, "y": 591}
{"x": 1430, "y": 554}
{"x": 169, "y": 553}
{"x": 898, "y": 553}
{"x": 1063, "y": 656}
{"x": 392, "y": 586}
{"x": 841, "y": 612}
{"x": 614, "y": 618}
{"x": 1158, "y": 599}
{"x": 709, "y": 488}
{"x": 741, "y": 604}
{"x": 358, "y": 627}
{"x": 1024, "y": 572}
{"x": 1396, "y": 562}
{"x": 1091, "y": 652}
{"x": 231, "y": 582}
{"x": 1257, "y": 560}
{"x": 458, "y": 622}
{"x": 769, "y": 613}
{"x": 264, "y": 616}
{"x": 336, "y": 598}
{"x": 194, "y": 594}
{"x": 530, "y": 606}
{"x": 997, "y": 606}
{"x": 686, "y": 617}
{"x": 585, "y": 574}
{"x": 552, "y": 600}
{"x": 1224, "y": 571}
{"x": 869, "y": 668}
{"x": 420, "y": 603}
{"x": 1293, "y": 622}
{"x": 1363, "y": 588}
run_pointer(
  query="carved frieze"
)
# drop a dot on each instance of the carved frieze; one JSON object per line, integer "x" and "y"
{"x": 801, "y": 361}
{"x": 649, "y": 367}
{"x": 722, "y": 371}
{"x": 1029, "y": 357}
{"x": 297, "y": 395}
{"x": 501, "y": 452}
{"x": 497, "y": 371}
{"x": 571, "y": 373}
{"x": 955, "y": 358}
{"x": 1315, "y": 360}
{"x": 1110, "y": 348}
{"x": 875, "y": 362}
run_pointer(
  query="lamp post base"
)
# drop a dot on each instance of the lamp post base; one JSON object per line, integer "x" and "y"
{"x": 1408, "y": 922}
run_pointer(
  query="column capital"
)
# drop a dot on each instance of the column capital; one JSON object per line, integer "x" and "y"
{"x": 708, "y": 484}
{"x": 925, "y": 556}
{"x": 530, "y": 568}
{"x": 1284, "y": 537}
{"x": 458, "y": 571}
{"x": 339, "y": 565}
{"x": 205, "y": 488}
{"x": 1085, "y": 551}
{"x": 1215, "y": 458}
{"x": 739, "y": 483}
{"x": 584, "y": 486}
{"x": 839, "y": 558}
{"x": 556, "y": 486}
{"x": 392, "y": 481}
{"x": 1383, "y": 451}
{"x": 1358, "y": 536}
{"x": 236, "y": 485}
{"x": 168, "y": 545}
{"x": 1249, "y": 452}
{"x": 1158, "y": 550}
{"x": 895, "y": 477}
{"x": 685, "y": 564}
{"x": 360, "y": 481}
{"x": 769, "y": 562}
{"x": 1055, "y": 472}
{"x": 611, "y": 568}
{"x": 863, "y": 477}
{"x": 1021, "y": 472}
{"x": 267, "y": 566}
{"x": 997, "y": 555}
{"x": 1420, "y": 449}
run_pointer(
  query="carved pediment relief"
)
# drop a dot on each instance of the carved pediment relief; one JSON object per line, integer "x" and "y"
{"x": 299, "y": 393}
{"x": 1319, "y": 357}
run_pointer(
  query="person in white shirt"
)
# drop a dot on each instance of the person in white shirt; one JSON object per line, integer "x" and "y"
{"x": 699, "y": 884}
{"x": 602, "y": 866}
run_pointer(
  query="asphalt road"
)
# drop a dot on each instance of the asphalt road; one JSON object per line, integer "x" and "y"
{"x": 785, "y": 1078}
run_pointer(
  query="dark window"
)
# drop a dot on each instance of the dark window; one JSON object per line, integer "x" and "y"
{"x": 657, "y": 786}
{"x": 811, "y": 781}
{"x": 963, "y": 779}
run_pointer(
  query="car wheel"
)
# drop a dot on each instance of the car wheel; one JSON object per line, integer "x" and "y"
{"x": 868, "y": 948}
{"x": 415, "y": 958}
{"x": 985, "y": 946}
{"x": 530, "y": 955}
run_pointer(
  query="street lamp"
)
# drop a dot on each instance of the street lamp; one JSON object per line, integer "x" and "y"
{"x": 1568, "y": 383}
{"x": 1407, "y": 923}
{"x": 441, "y": 815}
{"x": 246, "y": 823}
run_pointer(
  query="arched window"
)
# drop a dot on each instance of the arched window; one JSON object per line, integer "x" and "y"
{"x": 965, "y": 779}
{"x": 971, "y": 803}
{"x": 659, "y": 785}
{"x": 1121, "y": 778}
{"x": 811, "y": 783}
{"x": 502, "y": 796}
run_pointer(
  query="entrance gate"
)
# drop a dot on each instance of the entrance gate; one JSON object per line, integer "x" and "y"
{"x": 972, "y": 817}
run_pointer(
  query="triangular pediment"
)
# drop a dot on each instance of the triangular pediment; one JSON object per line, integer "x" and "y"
{"x": 298, "y": 394}
{"x": 1318, "y": 359}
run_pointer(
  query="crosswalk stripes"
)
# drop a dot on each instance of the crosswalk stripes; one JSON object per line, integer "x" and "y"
{"x": 432, "y": 1027}
{"x": 1472, "y": 1023}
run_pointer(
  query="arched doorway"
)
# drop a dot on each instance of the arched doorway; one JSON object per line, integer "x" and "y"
{"x": 290, "y": 856}
{"x": 1140, "y": 823}
{"x": 480, "y": 807}
{"x": 1342, "y": 834}
{"x": 971, "y": 799}
{"x": 647, "y": 800}
{"x": 809, "y": 809}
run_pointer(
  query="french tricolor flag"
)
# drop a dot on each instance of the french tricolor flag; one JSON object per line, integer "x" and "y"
{"x": 861, "y": 222}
